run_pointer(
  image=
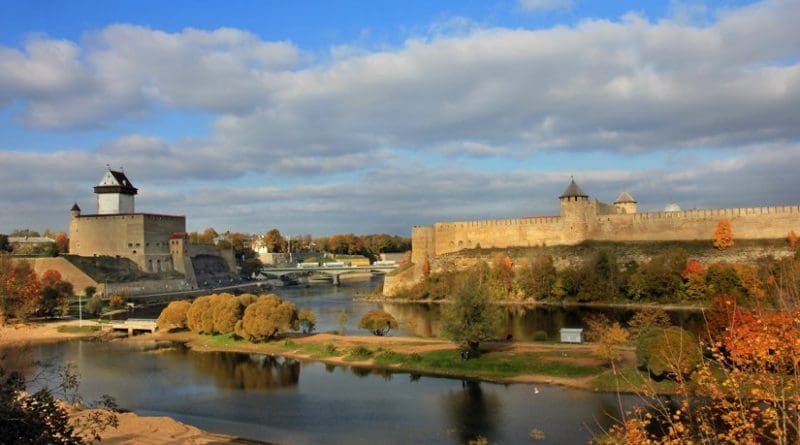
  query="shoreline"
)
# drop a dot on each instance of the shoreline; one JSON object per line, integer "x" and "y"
{"x": 303, "y": 349}
{"x": 534, "y": 303}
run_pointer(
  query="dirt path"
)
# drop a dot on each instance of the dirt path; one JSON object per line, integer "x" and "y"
{"x": 19, "y": 334}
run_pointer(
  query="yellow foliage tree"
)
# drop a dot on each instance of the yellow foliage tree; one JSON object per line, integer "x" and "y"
{"x": 792, "y": 239}
{"x": 267, "y": 317}
{"x": 723, "y": 235}
{"x": 173, "y": 316}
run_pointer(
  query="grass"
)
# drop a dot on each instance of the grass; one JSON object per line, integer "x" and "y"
{"x": 632, "y": 379}
{"x": 224, "y": 339}
{"x": 77, "y": 329}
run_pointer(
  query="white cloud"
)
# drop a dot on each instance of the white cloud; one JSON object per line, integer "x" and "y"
{"x": 545, "y": 5}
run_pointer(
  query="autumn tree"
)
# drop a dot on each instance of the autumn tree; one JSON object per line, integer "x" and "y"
{"x": 173, "y": 316}
{"x": 723, "y": 235}
{"x": 504, "y": 270}
{"x": 267, "y": 317}
{"x": 116, "y": 301}
{"x": 200, "y": 317}
{"x": 378, "y": 322}
{"x": 471, "y": 317}
{"x": 307, "y": 319}
{"x": 537, "y": 278}
{"x": 227, "y": 310}
{"x": 55, "y": 293}
{"x": 668, "y": 352}
{"x": 274, "y": 241}
{"x": 595, "y": 324}
{"x": 792, "y": 240}
{"x": 20, "y": 291}
{"x": 645, "y": 319}
{"x": 61, "y": 241}
{"x": 694, "y": 280}
{"x": 607, "y": 346}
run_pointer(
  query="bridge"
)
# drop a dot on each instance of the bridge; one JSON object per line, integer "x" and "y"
{"x": 333, "y": 271}
{"x": 132, "y": 325}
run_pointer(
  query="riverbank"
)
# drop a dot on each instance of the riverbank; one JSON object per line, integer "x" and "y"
{"x": 530, "y": 303}
{"x": 19, "y": 334}
{"x": 569, "y": 365}
{"x": 134, "y": 429}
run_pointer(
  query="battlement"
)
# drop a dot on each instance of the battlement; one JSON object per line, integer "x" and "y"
{"x": 524, "y": 221}
{"x": 717, "y": 213}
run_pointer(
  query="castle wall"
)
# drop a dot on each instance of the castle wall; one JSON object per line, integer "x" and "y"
{"x": 144, "y": 238}
{"x": 454, "y": 236}
{"x": 746, "y": 223}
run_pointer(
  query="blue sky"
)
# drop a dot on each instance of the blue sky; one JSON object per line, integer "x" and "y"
{"x": 326, "y": 117}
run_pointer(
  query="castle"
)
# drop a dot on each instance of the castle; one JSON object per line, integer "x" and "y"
{"x": 583, "y": 218}
{"x": 156, "y": 243}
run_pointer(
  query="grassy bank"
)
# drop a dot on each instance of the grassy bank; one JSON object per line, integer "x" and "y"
{"x": 562, "y": 364}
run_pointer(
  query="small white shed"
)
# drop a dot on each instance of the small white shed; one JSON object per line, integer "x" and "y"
{"x": 571, "y": 335}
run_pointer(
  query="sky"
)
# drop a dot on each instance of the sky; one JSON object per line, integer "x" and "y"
{"x": 325, "y": 117}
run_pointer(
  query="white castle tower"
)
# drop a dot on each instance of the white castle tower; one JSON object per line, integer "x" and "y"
{"x": 115, "y": 194}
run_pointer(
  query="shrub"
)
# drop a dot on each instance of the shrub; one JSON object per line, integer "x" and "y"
{"x": 173, "y": 316}
{"x": 646, "y": 319}
{"x": 668, "y": 352}
{"x": 227, "y": 310}
{"x": 472, "y": 317}
{"x": 267, "y": 317}
{"x": 94, "y": 305}
{"x": 378, "y": 322}
{"x": 307, "y": 320}
{"x": 200, "y": 317}
{"x": 540, "y": 336}
{"x": 116, "y": 301}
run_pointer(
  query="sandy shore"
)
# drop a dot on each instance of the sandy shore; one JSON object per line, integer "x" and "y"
{"x": 135, "y": 429}
{"x": 19, "y": 334}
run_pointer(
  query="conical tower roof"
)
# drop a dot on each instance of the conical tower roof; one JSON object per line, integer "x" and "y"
{"x": 624, "y": 197}
{"x": 75, "y": 208}
{"x": 573, "y": 191}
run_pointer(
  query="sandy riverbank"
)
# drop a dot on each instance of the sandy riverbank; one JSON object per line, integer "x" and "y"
{"x": 19, "y": 334}
{"x": 147, "y": 430}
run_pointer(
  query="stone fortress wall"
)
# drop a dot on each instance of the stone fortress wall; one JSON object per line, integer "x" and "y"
{"x": 585, "y": 219}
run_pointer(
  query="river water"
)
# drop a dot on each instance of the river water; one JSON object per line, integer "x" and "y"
{"x": 285, "y": 401}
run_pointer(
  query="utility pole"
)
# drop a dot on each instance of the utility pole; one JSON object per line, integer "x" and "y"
{"x": 80, "y": 312}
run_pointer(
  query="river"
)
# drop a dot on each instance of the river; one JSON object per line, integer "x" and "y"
{"x": 285, "y": 401}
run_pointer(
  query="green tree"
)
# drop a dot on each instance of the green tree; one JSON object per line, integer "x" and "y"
{"x": 471, "y": 317}
{"x": 537, "y": 278}
{"x": 267, "y": 317}
{"x": 94, "y": 305}
{"x": 307, "y": 320}
{"x": 173, "y": 316}
{"x": 668, "y": 352}
{"x": 378, "y": 322}
{"x": 89, "y": 291}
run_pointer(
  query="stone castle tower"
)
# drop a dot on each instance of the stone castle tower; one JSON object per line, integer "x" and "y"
{"x": 575, "y": 211}
{"x": 115, "y": 194}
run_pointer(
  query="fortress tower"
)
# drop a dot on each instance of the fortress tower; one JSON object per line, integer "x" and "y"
{"x": 115, "y": 194}
{"x": 625, "y": 203}
{"x": 575, "y": 213}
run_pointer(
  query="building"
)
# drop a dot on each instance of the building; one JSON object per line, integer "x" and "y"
{"x": 156, "y": 243}
{"x": 583, "y": 218}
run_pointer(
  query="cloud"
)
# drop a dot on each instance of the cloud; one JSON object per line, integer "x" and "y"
{"x": 545, "y": 5}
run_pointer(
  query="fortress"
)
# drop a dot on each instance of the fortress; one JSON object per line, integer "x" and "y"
{"x": 157, "y": 244}
{"x": 583, "y": 218}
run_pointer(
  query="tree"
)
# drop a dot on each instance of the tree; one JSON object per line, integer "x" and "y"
{"x": 55, "y": 293}
{"x": 694, "y": 280}
{"x": 4, "y": 245}
{"x": 596, "y": 323}
{"x": 200, "y": 317}
{"x": 116, "y": 301}
{"x": 228, "y": 310}
{"x": 504, "y": 268}
{"x": 89, "y": 291}
{"x": 723, "y": 235}
{"x": 94, "y": 305}
{"x": 274, "y": 241}
{"x": 20, "y": 291}
{"x": 471, "y": 317}
{"x": 792, "y": 240}
{"x": 378, "y": 322}
{"x": 173, "y": 316}
{"x": 646, "y": 319}
{"x": 537, "y": 278}
{"x": 607, "y": 346}
{"x": 668, "y": 352}
{"x": 307, "y": 320}
{"x": 22, "y": 233}
{"x": 62, "y": 242}
{"x": 659, "y": 279}
{"x": 267, "y": 317}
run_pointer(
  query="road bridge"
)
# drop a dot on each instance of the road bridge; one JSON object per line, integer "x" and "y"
{"x": 333, "y": 271}
{"x": 133, "y": 325}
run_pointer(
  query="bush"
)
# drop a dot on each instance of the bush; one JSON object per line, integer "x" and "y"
{"x": 267, "y": 317}
{"x": 199, "y": 318}
{"x": 94, "y": 305}
{"x": 173, "y": 316}
{"x": 668, "y": 352}
{"x": 227, "y": 310}
{"x": 540, "y": 336}
{"x": 307, "y": 320}
{"x": 378, "y": 322}
{"x": 116, "y": 301}
{"x": 647, "y": 319}
{"x": 472, "y": 317}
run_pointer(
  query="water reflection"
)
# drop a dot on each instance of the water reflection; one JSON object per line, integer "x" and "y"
{"x": 471, "y": 412}
{"x": 244, "y": 371}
